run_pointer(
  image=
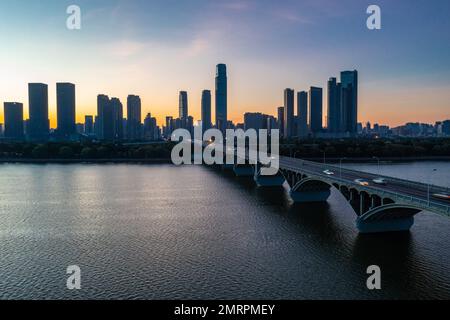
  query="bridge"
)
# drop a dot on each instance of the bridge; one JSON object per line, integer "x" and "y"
{"x": 378, "y": 207}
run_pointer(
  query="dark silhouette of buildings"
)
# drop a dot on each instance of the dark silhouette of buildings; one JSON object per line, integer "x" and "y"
{"x": 349, "y": 102}
{"x": 65, "y": 105}
{"x": 89, "y": 125}
{"x": 13, "y": 112}
{"x": 302, "y": 114}
{"x": 221, "y": 97}
{"x": 134, "y": 118}
{"x": 334, "y": 106}
{"x": 280, "y": 120}
{"x": 38, "y": 124}
{"x": 288, "y": 113}
{"x": 315, "y": 110}
{"x": 117, "y": 110}
{"x": 206, "y": 110}
{"x": 183, "y": 106}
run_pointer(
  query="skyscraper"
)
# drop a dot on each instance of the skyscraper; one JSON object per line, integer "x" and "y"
{"x": 221, "y": 97}
{"x": 183, "y": 106}
{"x": 89, "y": 125}
{"x": 13, "y": 112}
{"x": 334, "y": 106}
{"x": 302, "y": 114}
{"x": 349, "y": 102}
{"x": 117, "y": 109}
{"x": 315, "y": 110}
{"x": 102, "y": 102}
{"x": 280, "y": 120}
{"x": 65, "y": 105}
{"x": 288, "y": 113}
{"x": 38, "y": 128}
{"x": 134, "y": 118}
{"x": 206, "y": 110}
{"x": 105, "y": 118}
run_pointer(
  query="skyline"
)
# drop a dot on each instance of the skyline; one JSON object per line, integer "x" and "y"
{"x": 402, "y": 78}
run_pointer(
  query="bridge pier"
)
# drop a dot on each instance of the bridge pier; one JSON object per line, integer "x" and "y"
{"x": 390, "y": 225}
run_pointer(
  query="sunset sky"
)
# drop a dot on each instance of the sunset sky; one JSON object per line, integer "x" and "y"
{"x": 155, "y": 48}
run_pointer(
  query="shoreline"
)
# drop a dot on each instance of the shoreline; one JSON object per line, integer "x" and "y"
{"x": 169, "y": 161}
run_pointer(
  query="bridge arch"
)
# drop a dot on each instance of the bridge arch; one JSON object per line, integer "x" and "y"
{"x": 386, "y": 218}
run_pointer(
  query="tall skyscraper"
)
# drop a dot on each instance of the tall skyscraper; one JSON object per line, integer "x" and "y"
{"x": 288, "y": 113}
{"x": 89, "y": 125}
{"x": 102, "y": 103}
{"x": 117, "y": 109}
{"x": 105, "y": 118}
{"x": 65, "y": 105}
{"x": 221, "y": 97}
{"x": 38, "y": 128}
{"x": 134, "y": 118}
{"x": 206, "y": 110}
{"x": 334, "y": 106}
{"x": 183, "y": 106}
{"x": 280, "y": 120}
{"x": 302, "y": 114}
{"x": 13, "y": 112}
{"x": 315, "y": 109}
{"x": 349, "y": 102}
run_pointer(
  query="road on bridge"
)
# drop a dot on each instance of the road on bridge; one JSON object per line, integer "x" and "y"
{"x": 417, "y": 190}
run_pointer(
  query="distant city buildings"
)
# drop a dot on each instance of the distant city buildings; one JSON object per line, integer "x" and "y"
{"x": 304, "y": 121}
{"x": 14, "y": 129}
{"x": 65, "y": 106}
{"x": 134, "y": 117}
{"x": 221, "y": 97}
{"x": 38, "y": 125}
{"x": 288, "y": 123}
{"x": 206, "y": 110}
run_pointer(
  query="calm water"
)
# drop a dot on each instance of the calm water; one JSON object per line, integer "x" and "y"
{"x": 162, "y": 232}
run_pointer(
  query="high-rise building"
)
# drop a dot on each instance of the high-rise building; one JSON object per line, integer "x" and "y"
{"x": 334, "y": 107}
{"x": 102, "y": 105}
{"x": 13, "y": 112}
{"x": 206, "y": 110}
{"x": 150, "y": 128}
{"x": 302, "y": 114}
{"x": 183, "y": 106}
{"x": 39, "y": 126}
{"x": 349, "y": 102}
{"x": 221, "y": 97}
{"x": 65, "y": 105}
{"x": 134, "y": 119}
{"x": 288, "y": 113}
{"x": 117, "y": 109}
{"x": 105, "y": 118}
{"x": 315, "y": 110}
{"x": 280, "y": 120}
{"x": 89, "y": 125}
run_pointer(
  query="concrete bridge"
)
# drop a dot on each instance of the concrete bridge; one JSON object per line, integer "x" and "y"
{"x": 378, "y": 208}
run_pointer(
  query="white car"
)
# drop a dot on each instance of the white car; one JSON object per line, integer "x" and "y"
{"x": 328, "y": 172}
{"x": 362, "y": 182}
{"x": 442, "y": 196}
{"x": 381, "y": 181}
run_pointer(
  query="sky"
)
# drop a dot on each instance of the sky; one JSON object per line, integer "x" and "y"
{"x": 156, "y": 48}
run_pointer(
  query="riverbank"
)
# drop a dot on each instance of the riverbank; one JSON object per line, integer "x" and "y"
{"x": 168, "y": 160}
{"x": 93, "y": 161}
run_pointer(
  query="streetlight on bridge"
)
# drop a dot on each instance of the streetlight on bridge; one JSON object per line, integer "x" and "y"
{"x": 340, "y": 166}
{"x": 430, "y": 185}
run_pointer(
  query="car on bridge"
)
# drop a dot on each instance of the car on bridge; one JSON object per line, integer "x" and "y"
{"x": 381, "y": 181}
{"x": 362, "y": 182}
{"x": 328, "y": 172}
{"x": 441, "y": 196}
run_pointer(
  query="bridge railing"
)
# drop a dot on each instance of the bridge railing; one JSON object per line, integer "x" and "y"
{"x": 416, "y": 201}
{"x": 411, "y": 183}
